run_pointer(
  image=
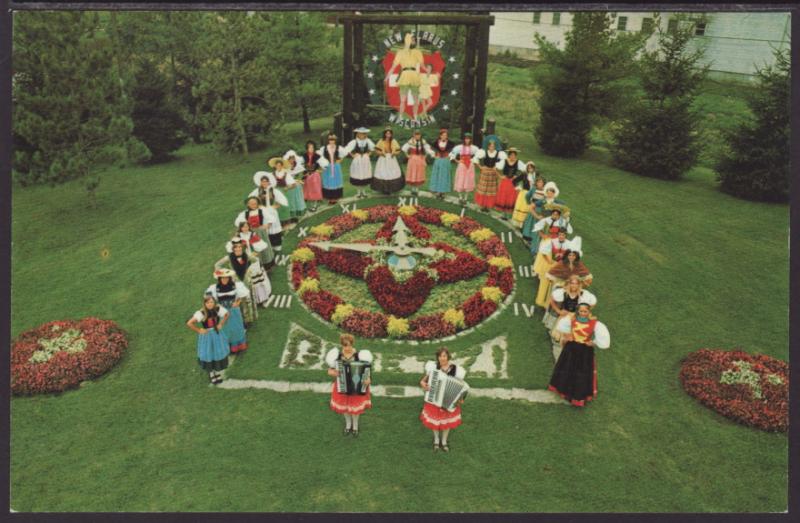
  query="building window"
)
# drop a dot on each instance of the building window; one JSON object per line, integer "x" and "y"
{"x": 700, "y": 29}
{"x": 537, "y": 17}
{"x": 556, "y": 18}
{"x": 647, "y": 25}
{"x": 622, "y": 23}
{"x": 672, "y": 25}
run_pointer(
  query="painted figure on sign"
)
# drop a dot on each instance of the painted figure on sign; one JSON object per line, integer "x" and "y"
{"x": 410, "y": 61}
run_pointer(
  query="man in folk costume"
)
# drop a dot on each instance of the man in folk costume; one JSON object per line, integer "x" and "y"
{"x": 359, "y": 150}
{"x": 574, "y": 376}
{"x": 466, "y": 155}
{"x": 416, "y": 149}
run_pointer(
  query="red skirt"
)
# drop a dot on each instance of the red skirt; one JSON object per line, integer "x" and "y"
{"x": 506, "y": 195}
{"x": 312, "y": 187}
{"x": 437, "y": 418}
{"x": 415, "y": 173}
{"x": 350, "y": 404}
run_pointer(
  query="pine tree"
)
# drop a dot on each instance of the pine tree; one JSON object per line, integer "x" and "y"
{"x": 71, "y": 113}
{"x": 156, "y": 120}
{"x": 583, "y": 81}
{"x": 658, "y": 135}
{"x": 756, "y": 163}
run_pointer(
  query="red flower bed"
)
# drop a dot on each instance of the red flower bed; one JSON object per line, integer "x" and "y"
{"x": 429, "y": 215}
{"x": 301, "y": 270}
{"x": 476, "y": 309}
{"x": 381, "y": 213}
{"x": 492, "y": 247}
{"x": 105, "y": 343}
{"x": 366, "y": 324}
{"x": 400, "y": 299}
{"x": 753, "y": 398}
{"x": 466, "y": 225}
{"x": 463, "y": 267}
{"x": 343, "y": 223}
{"x": 430, "y": 327}
{"x": 350, "y": 263}
{"x": 501, "y": 278}
{"x": 322, "y": 302}
{"x": 417, "y": 229}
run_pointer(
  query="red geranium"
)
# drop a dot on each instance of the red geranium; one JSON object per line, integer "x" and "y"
{"x": 400, "y": 299}
{"x": 381, "y": 213}
{"x": 463, "y": 267}
{"x": 757, "y": 397}
{"x": 366, "y": 324}
{"x": 103, "y": 341}
{"x": 342, "y": 261}
{"x": 417, "y": 229}
{"x": 466, "y": 225}
{"x": 503, "y": 278}
{"x": 429, "y": 215}
{"x": 322, "y": 302}
{"x": 476, "y": 309}
{"x": 492, "y": 247}
{"x": 430, "y": 327}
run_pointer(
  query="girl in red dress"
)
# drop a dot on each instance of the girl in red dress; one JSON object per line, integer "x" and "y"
{"x": 351, "y": 406}
{"x": 440, "y": 420}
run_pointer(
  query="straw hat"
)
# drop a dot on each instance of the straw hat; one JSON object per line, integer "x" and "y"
{"x": 222, "y": 273}
{"x": 273, "y": 161}
{"x": 362, "y": 130}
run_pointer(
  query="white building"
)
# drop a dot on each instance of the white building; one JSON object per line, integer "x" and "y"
{"x": 736, "y": 43}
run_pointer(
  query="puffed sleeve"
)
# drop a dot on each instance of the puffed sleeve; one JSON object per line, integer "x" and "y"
{"x": 500, "y": 164}
{"x": 229, "y": 246}
{"x": 502, "y": 156}
{"x": 588, "y": 298}
{"x": 480, "y": 154}
{"x": 569, "y": 227}
{"x": 239, "y": 219}
{"x": 289, "y": 179}
{"x": 558, "y": 294}
{"x": 454, "y": 152}
{"x": 322, "y": 162}
{"x": 370, "y": 145}
{"x": 222, "y": 311}
{"x": 601, "y": 337}
{"x": 461, "y": 372}
{"x": 429, "y": 150}
{"x": 331, "y": 357}
{"x": 365, "y": 355}
{"x": 253, "y": 193}
{"x": 280, "y": 198}
{"x": 197, "y": 316}
{"x": 406, "y": 147}
{"x": 395, "y": 145}
{"x": 350, "y": 146}
{"x": 541, "y": 224}
{"x": 241, "y": 290}
{"x": 212, "y": 290}
{"x": 342, "y": 152}
{"x": 564, "y": 324}
{"x": 430, "y": 366}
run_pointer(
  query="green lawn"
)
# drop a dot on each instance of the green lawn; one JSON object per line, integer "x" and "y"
{"x": 677, "y": 266}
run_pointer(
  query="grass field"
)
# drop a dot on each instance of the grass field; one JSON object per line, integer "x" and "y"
{"x": 677, "y": 266}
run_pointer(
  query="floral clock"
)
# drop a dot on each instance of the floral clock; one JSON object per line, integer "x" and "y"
{"x": 59, "y": 355}
{"x": 408, "y": 272}
{"x": 751, "y": 389}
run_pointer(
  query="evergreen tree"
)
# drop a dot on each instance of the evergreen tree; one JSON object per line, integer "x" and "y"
{"x": 583, "y": 81}
{"x": 71, "y": 114}
{"x": 658, "y": 136}
{"x": 756, "y": 164}
{"x": 242, "y": 81}
{"x": 156, "y": 120}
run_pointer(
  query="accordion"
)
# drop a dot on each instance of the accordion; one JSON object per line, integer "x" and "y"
{"x": 445, "y": 390}
{"x": 352, "y": 376}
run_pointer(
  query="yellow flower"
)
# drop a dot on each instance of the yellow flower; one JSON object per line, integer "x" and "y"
{"x": 322, "y": 230}
{"x": 454, "y": 317}
{"x": 481, "y": 234}
{"x": 492, "y": 294}
{"x": 308, "y": 285}
{"x": 407, "y": 210}
{"x": 448, "y": 219}
{"x": 360, "y": 214}
{"x": 501, "y": 262}
{"x": 342, "y": 311}
{"x": 397, "y": 327}
{"x": 303, "y": 254}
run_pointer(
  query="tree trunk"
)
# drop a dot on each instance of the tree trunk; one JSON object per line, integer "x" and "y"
{"x": 306, "y": 122}
{"x": 237, "y": 106}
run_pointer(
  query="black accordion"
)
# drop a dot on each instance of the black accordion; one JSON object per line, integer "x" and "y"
{"x": 445, "y": 390}
{"x": 352, "y": 375}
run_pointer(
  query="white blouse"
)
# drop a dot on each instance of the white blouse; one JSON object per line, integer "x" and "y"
{"x": 333, "y": 355}
{"x": 584, "y": 297}
{"x": 601, "y": 337}
{"x": 198, "y": 316}
{"x": 473, "y": 150}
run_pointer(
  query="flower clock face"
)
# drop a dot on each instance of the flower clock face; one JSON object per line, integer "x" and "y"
{"x": 407, "y": 272}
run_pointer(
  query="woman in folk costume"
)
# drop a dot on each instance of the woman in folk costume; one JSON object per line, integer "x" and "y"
{"x": 229, "y": 293}
{"x": 547, "y": 230}
{"x": 263, "y": 221}
{"x": 297, "y": 203}
{"x": 249, "y": 271}
{"x": 441, "y": 178}
{"x": 522, "y": 207}
{"x": 563, "y": 301}
{"x": 313, "y": 163}
{"x": 285, "y": 182}
{"x": 212, "y": 344}
{"x": 359, "y": 150}
{"x": 267, "y": 192}
{"x": 351, "y": 406}
{"x": 570, "y": 265}
{"x": 332, "y": 180}
{"x": 440, "y": 420}
{"x": 388, "y": 177}
{"x": 465, "y": 154}
{"x": 550, "y": 253}
{"x": 416, "y": 150}
{"x": 489, "y": 179}
{"x": 512, "y": 172}
{"x": 534, "y": 194}
{"x": 253, "y": 243}
{"x": 574, "y": 376}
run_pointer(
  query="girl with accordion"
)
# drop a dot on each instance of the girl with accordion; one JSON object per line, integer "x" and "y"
{"x": 353, "y": 401}
{"x": 438, "y": 419}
